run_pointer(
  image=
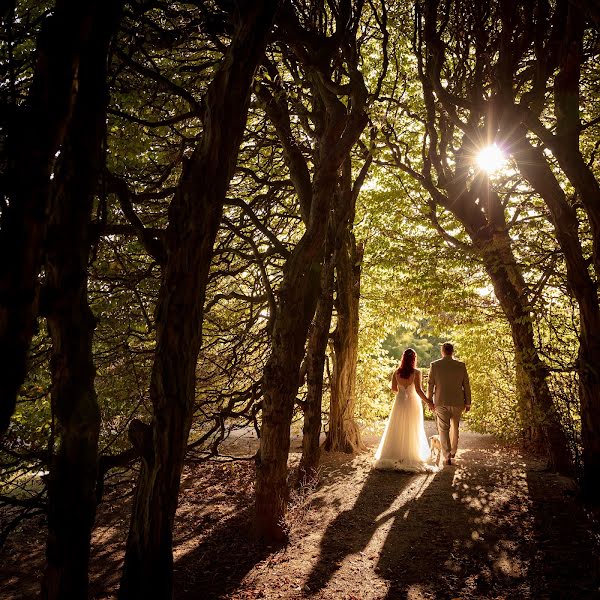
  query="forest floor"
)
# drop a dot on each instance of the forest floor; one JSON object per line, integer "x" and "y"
{"x": 494, "y": 526}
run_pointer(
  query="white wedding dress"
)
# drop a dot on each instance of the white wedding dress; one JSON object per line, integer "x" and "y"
{"x": 404, "y": 446}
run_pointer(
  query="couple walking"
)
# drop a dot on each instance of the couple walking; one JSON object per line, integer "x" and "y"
{"x": 404, "y": 446}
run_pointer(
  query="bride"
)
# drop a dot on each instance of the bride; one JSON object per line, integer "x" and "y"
{"x": 404, "y": 446}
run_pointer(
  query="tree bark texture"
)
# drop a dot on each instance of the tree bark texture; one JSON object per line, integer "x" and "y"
{"x": 534, "y": 167}
{"x": 589, "y": 395}
{"x": 298, "y": 297}
{"x": 343, "y": 434}
{"x": 73, "y": 472}
{"x": 530, "y": 433}
{"x": 339, "y": 127}
{"x": 509, "y": 286}
{"x": 315, "y": 357}
{"x": 34, "y": 135}
{"x": 194, "y": 217}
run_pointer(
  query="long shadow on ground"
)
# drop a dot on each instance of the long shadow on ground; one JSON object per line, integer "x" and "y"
{"x": 497, "y": 533}
{"x": 499, "y": 529}
{"x": 351, "y": 531}
{"x": 219, "y": 563}
{"x": 475, "y": 545}
{"x": 566, "y": 563}
{"x": 216, "y": 566}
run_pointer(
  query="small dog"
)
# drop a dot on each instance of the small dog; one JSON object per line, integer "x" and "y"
{"x": 435, "y": 446}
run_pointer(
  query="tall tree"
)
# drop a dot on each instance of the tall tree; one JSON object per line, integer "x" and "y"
{"x": 316, "y": 354}
{"x": 456, "y": 130}
{"x": 194, "y": 217}
{"x": 561, "y": 59}
{"x": 341, "y": 271}
{"x": 34, "y": 133}
{"x": 324, "y": 47}
{"x": 73, "y": 472}
{"x": 343, "y": 434}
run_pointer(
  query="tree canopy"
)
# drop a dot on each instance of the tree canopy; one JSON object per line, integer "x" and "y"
{"x": 220, "y": 216}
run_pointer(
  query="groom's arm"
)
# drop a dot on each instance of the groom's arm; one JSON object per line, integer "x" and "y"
{"x": 467, "y": 391}
{"x": 431, "y": 383}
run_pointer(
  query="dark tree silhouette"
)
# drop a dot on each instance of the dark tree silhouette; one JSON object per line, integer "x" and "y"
{"x": 73, "y": 471}
{"x": 343, "y": 434}
{"x": 34, "y": 134}
{"x": 194, "y": 217}
{"x": 337, "y": 128}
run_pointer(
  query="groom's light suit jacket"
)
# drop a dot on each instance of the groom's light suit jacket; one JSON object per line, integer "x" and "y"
{"x": 448, "y": 383}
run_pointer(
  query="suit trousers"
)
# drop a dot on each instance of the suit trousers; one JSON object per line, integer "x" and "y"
{"x": 448, "y": 418}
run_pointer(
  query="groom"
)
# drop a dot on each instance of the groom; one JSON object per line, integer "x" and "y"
{"x": 448, "y": 388}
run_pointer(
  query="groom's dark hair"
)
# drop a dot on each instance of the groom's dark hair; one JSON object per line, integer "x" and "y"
{"x": 448, "y": 348}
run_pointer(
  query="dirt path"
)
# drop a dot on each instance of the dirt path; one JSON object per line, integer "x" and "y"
{"x": 495, "y": 526}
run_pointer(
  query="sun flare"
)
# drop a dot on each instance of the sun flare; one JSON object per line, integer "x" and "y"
{"x": 491, "y": 159}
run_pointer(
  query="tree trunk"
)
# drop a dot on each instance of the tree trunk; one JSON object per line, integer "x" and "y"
{"x": 298, "y": 298}
{"x": 531, "y": 434}
{"x": 34, "y": 137}
{"x": 73, "y": 472}
{"x": 589, "y": 394}
{"x": 299, "y": 295}
{"x": 338, "y": 126}
{"x": 508, "y": 285}
{"x": 533, "y": 165}
{"x": 343, "y": 434}
{"x": 194, "y": 217}
{"x": 315, "y": 356}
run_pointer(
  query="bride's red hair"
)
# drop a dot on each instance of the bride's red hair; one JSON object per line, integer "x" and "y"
{"x": 407, "y": 363}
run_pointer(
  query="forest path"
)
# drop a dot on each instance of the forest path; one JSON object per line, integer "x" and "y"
{"x": 494, "y": 526}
